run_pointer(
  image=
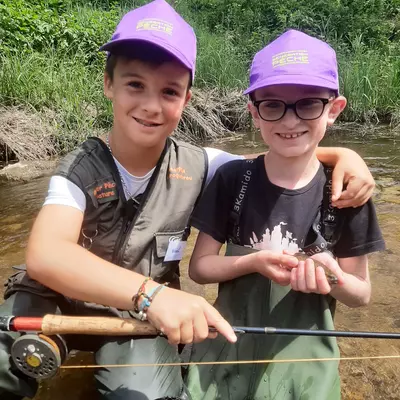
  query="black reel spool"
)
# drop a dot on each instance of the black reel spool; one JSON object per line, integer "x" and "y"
{"x": 39, "y": 356}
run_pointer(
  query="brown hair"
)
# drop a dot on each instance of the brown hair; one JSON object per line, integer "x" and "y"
{"x": 142, "y": 51}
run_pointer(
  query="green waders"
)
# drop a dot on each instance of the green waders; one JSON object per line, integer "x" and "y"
{"x": 253, "y": 300}
{"x": 128, "y": 383}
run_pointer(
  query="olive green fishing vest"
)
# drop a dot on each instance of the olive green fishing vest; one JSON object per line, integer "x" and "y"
{"x": 135, "y": 234}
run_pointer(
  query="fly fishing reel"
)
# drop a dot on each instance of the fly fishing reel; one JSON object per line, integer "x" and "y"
{"x": 39, "y": 356}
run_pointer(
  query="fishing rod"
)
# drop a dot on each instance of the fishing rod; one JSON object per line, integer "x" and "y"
{"x": 40, "y": 350}
{"x": 62, "y": 325}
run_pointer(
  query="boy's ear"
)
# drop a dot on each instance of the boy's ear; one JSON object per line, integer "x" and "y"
{"x": 188, "y": 97}
{"x": 254, "y": 114}
{"x": 337, "y": 106}
{"x": 108, "y": 85}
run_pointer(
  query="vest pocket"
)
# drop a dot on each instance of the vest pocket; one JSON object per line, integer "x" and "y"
{"x": 163, "y": 267}
{"x": 163, "y": 240}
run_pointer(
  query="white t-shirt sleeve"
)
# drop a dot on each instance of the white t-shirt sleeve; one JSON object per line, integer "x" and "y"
{"x": 63, "y": 192}
{"x": 216, "y": 158}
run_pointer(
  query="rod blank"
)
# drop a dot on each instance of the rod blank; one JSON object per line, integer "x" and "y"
{"x": 319, "y": 332}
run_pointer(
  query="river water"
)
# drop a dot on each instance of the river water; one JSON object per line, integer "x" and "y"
{"x": 361, "y": 379}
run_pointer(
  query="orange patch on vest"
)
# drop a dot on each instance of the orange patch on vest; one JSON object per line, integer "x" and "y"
{"x": 105, "y": 190}
{"x": 179, "y": 173}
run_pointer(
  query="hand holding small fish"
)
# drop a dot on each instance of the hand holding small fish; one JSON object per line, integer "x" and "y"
{"x": 317, "y": 274}
{"x": 275, "y": 266}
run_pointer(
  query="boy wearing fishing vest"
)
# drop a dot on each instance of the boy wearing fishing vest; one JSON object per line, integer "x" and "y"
{"x": 117, "y": 212}
{"x": 268, "y": 209}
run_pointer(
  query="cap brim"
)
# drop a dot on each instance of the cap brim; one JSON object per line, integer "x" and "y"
{"x": 119, "y": 43}
{"x": 305, "y": 80}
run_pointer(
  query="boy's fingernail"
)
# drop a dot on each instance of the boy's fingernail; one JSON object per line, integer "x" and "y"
{"x": 233, "y": 338}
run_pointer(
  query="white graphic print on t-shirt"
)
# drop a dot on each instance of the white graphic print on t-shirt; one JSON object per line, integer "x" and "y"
{"x": 277, "y": 240}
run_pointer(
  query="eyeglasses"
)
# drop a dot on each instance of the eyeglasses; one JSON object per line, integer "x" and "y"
{"x": 307, "y": 109}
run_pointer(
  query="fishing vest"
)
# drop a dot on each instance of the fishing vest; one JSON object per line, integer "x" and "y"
{"x": 254, "y": 300}
{"x": 135, "y": 233}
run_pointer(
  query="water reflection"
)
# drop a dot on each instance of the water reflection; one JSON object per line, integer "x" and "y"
{"x": 381, "y": 152}
{"x": 19, "y": 205}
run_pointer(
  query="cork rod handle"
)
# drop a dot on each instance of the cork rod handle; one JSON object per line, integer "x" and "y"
{"x": 60, "y": 324}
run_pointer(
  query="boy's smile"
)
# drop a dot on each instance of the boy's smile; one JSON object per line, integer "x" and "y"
{"x": 291, "y": 135}
{"x": 146, "y": 123}
{"x": 148, "y": 100}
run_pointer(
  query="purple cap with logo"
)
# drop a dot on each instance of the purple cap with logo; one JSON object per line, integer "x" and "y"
{"x": 159, "y": 24}
{"x": 295, "y": 58}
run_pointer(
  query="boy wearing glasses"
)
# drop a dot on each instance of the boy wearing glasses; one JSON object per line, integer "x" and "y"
{"x": 266, "y": 211}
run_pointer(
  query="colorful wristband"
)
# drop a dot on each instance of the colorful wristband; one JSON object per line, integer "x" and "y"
{"x": 140, "y": 292}
{"x": 148, "y": 298}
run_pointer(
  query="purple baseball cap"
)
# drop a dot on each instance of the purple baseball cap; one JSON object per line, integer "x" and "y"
{"x": 159, "y": 24}
{"x": 295, "y": 58}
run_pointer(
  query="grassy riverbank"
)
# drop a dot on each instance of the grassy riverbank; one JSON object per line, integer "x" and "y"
{"x": 49, "y": 64}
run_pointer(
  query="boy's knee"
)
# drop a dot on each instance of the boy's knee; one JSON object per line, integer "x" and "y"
{"x": 149, "y": 383}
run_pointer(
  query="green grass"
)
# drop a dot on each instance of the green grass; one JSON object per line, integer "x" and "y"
{"x": 64, "y": 88}
{"x": 66, "y": 83}
{"x": 371, "y": 83}
{"x": 219, "y": 63}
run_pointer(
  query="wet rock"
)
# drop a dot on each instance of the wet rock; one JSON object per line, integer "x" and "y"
{"x": 25, "y": 171}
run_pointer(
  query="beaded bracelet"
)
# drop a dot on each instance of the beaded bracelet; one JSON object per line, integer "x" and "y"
{"x": 140, "y": 292}
{"x": 148, "y": 298}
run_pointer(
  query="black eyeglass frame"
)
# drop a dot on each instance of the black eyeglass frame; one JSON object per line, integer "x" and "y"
{"x": 292, "y": 106}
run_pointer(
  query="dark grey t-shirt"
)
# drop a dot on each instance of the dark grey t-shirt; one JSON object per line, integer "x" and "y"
{"x": 275, "y": 218}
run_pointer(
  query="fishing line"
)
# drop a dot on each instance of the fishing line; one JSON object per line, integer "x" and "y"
{"x": 181, "y": 364}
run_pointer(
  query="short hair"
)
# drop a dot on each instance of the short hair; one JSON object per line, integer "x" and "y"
{"x": 143, "y": 51}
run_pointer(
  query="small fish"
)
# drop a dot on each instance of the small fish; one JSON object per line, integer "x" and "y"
{"x": 332, "y": 279}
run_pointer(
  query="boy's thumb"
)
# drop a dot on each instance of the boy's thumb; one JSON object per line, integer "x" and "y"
{"x": 337, "y": 184}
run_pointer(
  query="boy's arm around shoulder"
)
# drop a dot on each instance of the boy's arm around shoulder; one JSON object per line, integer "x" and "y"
{"x": 350, "y": 171}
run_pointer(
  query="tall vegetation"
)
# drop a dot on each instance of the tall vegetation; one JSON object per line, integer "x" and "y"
{"x": 365, "y": 34}
{"x": 49, "y": 55}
